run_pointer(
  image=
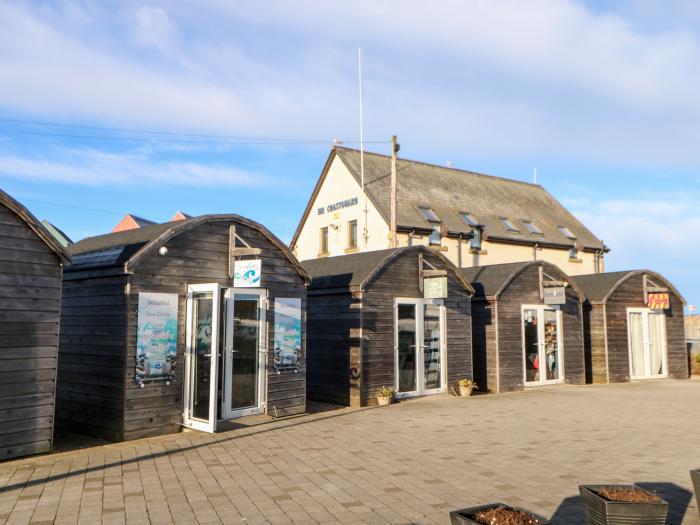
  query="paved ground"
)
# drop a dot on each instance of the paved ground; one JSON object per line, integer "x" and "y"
{"x": 408, "y": 463}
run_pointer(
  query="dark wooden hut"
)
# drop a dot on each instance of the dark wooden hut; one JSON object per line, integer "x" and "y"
{"x": 634, "y": 327}
{"x": 527, "y": 326}
{"x": 371, "y": 325}
{"x": 31, "y": 263}
{"x": 146, "y": 311}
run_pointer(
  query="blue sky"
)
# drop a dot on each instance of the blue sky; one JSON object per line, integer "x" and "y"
{"x": 600, "y": 96}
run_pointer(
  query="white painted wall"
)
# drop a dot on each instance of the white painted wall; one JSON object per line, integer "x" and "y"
{"x": 339, "y": 186}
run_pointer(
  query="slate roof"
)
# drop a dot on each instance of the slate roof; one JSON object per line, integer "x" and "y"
{"x": 598, "y": 287}
{"x": 449, "y": 191}
{"x": 353, "y": 270}
{"x": 489, "y": 280}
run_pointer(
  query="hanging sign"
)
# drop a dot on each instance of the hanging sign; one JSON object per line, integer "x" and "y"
{"x": 287, "y": 334}
{"x": 658, "y": 301}
{"x": 554, "y": 295}
{"x": 156, "y": 337}
{"x": 246, "y": 274}
{"x": 435, "y": 288}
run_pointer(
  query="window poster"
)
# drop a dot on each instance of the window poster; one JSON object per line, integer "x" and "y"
{"x": 287, "y": 353}
{"x": 156, "y": 338}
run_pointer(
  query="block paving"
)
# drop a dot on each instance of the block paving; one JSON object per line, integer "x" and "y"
{"x": 410, "y": 463}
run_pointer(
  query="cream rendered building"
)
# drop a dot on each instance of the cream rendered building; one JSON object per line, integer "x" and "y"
{"x": 474, "y": 219}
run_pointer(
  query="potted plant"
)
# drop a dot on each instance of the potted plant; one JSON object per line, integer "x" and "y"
{"x": 384, "y": 396}
{"x": 695, "y": 476}
{"x": 466, "y": 386}
{"x": 630, "y": 504}
{"x": 496, "y": 514}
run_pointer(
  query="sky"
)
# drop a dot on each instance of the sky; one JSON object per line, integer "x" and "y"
{"x": 218, "y": 106}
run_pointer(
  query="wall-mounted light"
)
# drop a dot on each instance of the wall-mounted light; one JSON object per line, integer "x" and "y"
{"x": 163, "y": 250}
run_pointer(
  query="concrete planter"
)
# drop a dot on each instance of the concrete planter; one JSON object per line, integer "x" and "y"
{"x": 600, "y": 511}
{"x": 384, "y": 401}
{"x": 695, "y": 477}
{"x": 466, "y": 516}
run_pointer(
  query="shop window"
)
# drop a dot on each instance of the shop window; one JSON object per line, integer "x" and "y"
{"x": 508, "y": 225}
{"x": 469, "y": 219}
{"x": 566, "y": 232}
{"x": 323, "y": 241}
{"x": 532, "y": 228}
{"x": 352, "y": 234}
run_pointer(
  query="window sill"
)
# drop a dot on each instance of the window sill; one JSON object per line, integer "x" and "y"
{"x": 575, "y": 260}
{"x": 478, "y": 252}
{"x": 352, "y": 250}
{"x": 438, "y": 247}
{"x": 320, "y": 255}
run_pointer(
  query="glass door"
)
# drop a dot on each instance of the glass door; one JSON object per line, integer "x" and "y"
{"x": 647, "y": 343}
{"x": 420, "y": 346}
{"x": 541, "y": 345}
{"x": 245, "y": 353}
{"x": 201, "y": 357}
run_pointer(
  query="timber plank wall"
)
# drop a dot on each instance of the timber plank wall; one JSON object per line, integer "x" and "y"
{"x": 630, "y": 295}
{"x": 30, "y": 296}
{"x": 400, "y": 279}
{"x": 101, "y": 397}
{"x": 500, "y": 323}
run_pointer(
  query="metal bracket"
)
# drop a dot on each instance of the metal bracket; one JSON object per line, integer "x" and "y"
{"x": 551, "y": 282}
{"x": 237, "y": 251}
{"x": 651, "y": 287}
{"x": 422, "y": 274}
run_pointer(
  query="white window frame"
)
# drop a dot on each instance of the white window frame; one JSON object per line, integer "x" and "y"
{"x": 188, "y": 421}
{"x": 646, "y": 312}
{"x": 226, "y": 411}
{"x": 418, "y": 345}
{"x": 540, "y": 308}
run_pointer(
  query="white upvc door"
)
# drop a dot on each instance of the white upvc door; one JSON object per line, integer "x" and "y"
{"x": 542, "y": 345}
{"x": 202, "y": 357}
{"x": 245, "y": 354}
{"x": 646, "y": 334}
{"x": 420, "y": 367}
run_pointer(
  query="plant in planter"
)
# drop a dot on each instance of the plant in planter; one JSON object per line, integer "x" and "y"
{"x": 496, "y": 514}
{"x": 385, "y": 395}
{"x": 695, "y": 476}
{"x": 628, "y": 504}
{"x": 466, "y": 386}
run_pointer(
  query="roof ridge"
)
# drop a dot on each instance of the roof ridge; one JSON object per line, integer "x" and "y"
{"x": 433, "y": 165}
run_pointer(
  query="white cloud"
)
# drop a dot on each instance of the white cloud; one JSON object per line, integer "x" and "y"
{"x": 98, "y": 168}
{"x": 153, "y": 27}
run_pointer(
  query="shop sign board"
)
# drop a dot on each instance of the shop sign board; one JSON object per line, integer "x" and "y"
{"x": 287, "y": 352}
{"x": 435, "y": 288}
{"x": 554, "y": 295}
{"x": 156, "y": 338}
{"x": 658, "y": 301}
{"x": 246, "y": 273}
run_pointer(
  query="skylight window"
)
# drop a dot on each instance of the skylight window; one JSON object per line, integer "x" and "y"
{"x": 428, "y": 214}
{"x": 532, "y": 228}
{"x": 566, "y": 232}
{"x": 509, "y": 226}
{"x": 469, "y": 218}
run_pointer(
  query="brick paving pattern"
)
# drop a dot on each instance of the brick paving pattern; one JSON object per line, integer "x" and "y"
{"x": 408, "y": 463}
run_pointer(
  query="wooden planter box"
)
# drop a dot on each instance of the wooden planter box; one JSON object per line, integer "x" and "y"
{"x": 466, "y": 516}
{"x": 695, "y": 476}
{"x": 600, "y": 511}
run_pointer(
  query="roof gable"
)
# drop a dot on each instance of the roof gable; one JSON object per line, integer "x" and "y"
{"x": 450, "y": 191}
{"x": 33, "y": 223}
{"x": 599, "y": 287}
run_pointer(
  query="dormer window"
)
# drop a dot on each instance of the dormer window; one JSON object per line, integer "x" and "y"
{"x": 508, "y": 225}
{"x": 566, "y": 232}
{"x": 532, "y": 228}
{"x": 469, "y": 218}
{"x": 429, "y": 215}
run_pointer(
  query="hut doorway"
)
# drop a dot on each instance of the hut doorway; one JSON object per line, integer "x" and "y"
{"x": 647, "y": 343}
{"x": 225, "y": 352}
{"x": 541, "y": 336}
{"x": 419, "y": 351}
